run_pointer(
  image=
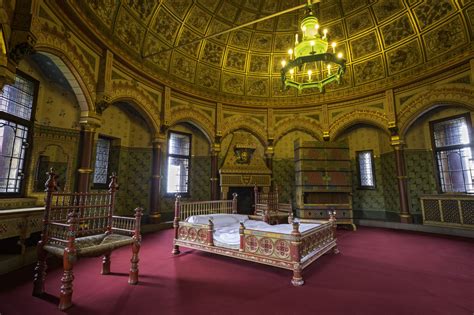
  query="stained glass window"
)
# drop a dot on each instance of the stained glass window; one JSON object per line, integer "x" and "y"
{"x": 366, "y": 169}
{"x": 453, "y": 151}
{"x": 179, "y": 154}
{"x": 101, "y": 161}
{"x": 16, "y": 108}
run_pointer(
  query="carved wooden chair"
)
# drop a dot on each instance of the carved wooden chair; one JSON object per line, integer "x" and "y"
{"x": 83, "y": 225}
{"x": 268, "y": 207}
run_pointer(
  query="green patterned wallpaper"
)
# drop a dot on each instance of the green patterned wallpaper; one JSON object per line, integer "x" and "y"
{"x": 134, "y": 174}
{"x": 421, "y": 177}
{"x": 200, "y": 174}
{"x": 368, "y": 203}
{"x": 284, "y": 177}
{"x": 389, "y": 183}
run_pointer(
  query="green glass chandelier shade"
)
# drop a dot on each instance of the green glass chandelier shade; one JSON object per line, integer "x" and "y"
{"x": 307, "y": 83}
{"x": 311, "y": 55}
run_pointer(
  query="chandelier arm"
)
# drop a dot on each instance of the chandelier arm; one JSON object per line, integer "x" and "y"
{"x": 234, "y": 28}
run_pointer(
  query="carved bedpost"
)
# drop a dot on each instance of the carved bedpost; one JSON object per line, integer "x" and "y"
{"x": 242, "y": 237}
{"x": 255, "y": 194}
{"x": 295, "y": 252}
{"x": 276, "y": 194}
{"x": 175, "y": 250}
{"x": 69, "y": 258}
{"x": 40, "y": 269}
{"x": 137, "y": 238}
{"x": 291, "y": 217}
{"x": 234, "y": 203}
{"x": 210, "y": 229}
{"x": 332, "y": 218}
{"x": 266, "y": 215}
{"x": 113, "y": 186}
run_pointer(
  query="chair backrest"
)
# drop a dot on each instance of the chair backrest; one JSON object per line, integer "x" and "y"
{"x": 93, "y": 210}
{"x": 270, "y": 199}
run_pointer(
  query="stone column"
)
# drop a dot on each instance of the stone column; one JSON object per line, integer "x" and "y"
{"x": 269, "y": 160}
{"x": 155, "y": 210}
{"x": 402, "y": 180}
{"x": 86, "y": 148}
{"x": 215, "y": 171}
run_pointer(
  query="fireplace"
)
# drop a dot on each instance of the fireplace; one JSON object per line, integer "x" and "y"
{"x": 242, "y": 169}
{"x": 244, "y": 200}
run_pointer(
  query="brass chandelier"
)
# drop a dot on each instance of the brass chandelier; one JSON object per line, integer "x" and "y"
{"x": 311, "y": 64}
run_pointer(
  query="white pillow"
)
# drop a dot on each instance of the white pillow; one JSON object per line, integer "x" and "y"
{"x": 219, "y": 219}
{"x": 240, "y": 217}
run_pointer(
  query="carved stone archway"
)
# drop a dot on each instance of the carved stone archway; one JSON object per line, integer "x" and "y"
{"x": 358, "y": 116}
{"x": 297, "y": 123}
{"x": 70, "y": 60}
{"x": 145, "y": 105}
{"x": 188, "y": 114}
{"x": 247, "y": 123}
{"x": 450, "y": 94}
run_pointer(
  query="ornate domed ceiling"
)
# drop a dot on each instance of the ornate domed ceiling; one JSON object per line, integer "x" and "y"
{"x": 384, "y": 41}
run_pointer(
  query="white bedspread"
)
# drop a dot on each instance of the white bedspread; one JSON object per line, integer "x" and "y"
{"x": 226, "y": 227}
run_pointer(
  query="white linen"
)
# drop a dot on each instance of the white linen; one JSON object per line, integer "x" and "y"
{"x": 228, "y": 236}
{"x": 219, "y": 219}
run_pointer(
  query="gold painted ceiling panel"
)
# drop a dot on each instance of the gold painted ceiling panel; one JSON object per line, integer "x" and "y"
{"x": 379, "y": 38}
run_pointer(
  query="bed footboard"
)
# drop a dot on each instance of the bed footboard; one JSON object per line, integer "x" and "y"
{"x": 293, "y": 251}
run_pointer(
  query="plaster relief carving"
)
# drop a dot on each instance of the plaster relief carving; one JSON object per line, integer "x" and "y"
{"x": 445, "y": 38}
{"x": 385, "y": 8}
{"x": 404, "y": 57}
{"x": 166, "y": 26}
{"x": 397, "y": 30}
{"x": 129, "y": 31}
{"x": 364, "y": 46}
{"x": 232, "y": 83}
{"x": 370, "y": 70}
{"x": 432, "y": 10}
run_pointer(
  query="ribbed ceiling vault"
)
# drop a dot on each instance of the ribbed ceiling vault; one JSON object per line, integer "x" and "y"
{"x": 384, "y": 41}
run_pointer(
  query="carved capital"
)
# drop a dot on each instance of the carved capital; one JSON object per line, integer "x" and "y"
{"x": 22, "y": 44}
{"x": 102, "y": 104}
{"x": 326, "y": 136}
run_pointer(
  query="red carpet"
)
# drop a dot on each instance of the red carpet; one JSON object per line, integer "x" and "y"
{"x": 378, "y": 272}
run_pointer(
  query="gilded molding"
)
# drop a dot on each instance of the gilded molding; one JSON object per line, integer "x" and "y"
{"x": 435, "y": 96}
{"x": 370, "y": 117}
{"x": 245, "y": 122}
{"x": 56, "y": 42}
{"x": 298, "y": 122}
{"x": 185, "y": 113}
{"x": 127, "y": 91}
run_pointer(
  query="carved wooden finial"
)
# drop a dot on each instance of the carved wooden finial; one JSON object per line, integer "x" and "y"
{"x": 291, "y": 217}
{"x": 234, "y": 196}
{"x": 113, "y": 186}
{"x": 296, "y": 227}
{"x": 178, "y": 197}
{"x": 50, "y": 184}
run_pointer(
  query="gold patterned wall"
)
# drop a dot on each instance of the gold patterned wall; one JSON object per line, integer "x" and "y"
{"x": 384, "y": 41}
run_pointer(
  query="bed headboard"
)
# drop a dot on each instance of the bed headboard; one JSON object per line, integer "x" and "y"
{"x": 183, "y": 210}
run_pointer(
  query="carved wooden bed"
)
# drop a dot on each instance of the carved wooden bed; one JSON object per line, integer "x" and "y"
{"x": 200, "y": 225}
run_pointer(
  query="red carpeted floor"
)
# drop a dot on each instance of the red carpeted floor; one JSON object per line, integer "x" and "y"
{"x": 377, "y": 272}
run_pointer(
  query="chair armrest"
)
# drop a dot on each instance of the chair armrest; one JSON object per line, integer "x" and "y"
{"x": 122, "y": 224}
{"x": 58, "y": 231}
{"x": 128, "y": 225}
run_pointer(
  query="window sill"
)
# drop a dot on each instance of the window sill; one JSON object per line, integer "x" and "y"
{"x": 17, "y": 203}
